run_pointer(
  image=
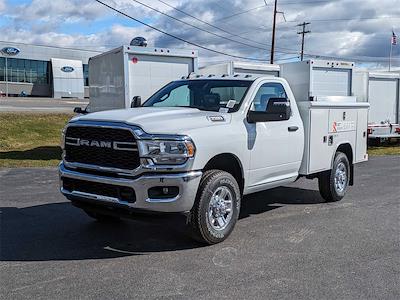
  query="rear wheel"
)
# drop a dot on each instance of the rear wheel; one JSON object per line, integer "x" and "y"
{"x": 333, "y": 183}
{"x": 101, "y": 218}
{"x": 216, "y": 208}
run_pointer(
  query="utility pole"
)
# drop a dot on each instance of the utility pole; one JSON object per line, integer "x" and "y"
{"x": 274, "y": 29}
{"x": 273, "y": 33}
{"x": 303, "y": 33}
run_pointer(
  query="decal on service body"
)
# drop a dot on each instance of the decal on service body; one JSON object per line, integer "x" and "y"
{"x": 342, "y": 126}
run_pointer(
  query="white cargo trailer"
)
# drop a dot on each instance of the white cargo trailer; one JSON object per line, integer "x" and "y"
{"x": 383, "y": 96}
{"x": 316, "y": 80}
{"x": 118, "y": 75}
{"x": 240, "y": 68}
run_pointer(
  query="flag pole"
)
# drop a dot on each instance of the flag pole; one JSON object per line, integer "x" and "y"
{"x": 390, "y": 55}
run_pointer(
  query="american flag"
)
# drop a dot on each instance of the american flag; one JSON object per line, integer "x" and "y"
{"x": 394, "y": 38}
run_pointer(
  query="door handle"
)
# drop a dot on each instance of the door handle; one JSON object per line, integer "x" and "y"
{"x": 293, "y": 128}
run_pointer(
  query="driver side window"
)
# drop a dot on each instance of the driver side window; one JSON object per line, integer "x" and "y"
{"x": 266, "y": 92}
{"x": 177, "y": 97}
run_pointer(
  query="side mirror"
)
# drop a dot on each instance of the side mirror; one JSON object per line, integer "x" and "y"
{"x": 136, "y": 101}
{"x": 277, "y": 110}
{"x": 79, "y": 110}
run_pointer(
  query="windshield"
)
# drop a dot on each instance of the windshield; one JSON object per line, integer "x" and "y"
{"x": 211, "y": 95}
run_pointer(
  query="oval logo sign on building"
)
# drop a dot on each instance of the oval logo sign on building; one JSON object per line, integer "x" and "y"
{"x": 67, "y": 69}
{"x": 11, "y": 51}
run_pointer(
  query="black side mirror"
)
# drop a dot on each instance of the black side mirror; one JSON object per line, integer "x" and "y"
{"x": 278, "y": 109}
{"x": 136, "y": 101}
{"x": 79, "y": 110}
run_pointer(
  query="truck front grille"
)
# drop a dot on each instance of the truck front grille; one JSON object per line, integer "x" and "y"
{"x": 119, "y": 192}
{"x": 99, "y": 146}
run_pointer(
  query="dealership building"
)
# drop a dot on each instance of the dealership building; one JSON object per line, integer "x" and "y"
{"x": 44, "y": 71}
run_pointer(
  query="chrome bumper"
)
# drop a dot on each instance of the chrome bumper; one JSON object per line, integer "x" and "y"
{"x": 187, "y": 182}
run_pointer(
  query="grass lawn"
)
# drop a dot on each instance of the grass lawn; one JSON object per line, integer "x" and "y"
{"x": 384, "y": 150}
{"x": 32, "y": 140}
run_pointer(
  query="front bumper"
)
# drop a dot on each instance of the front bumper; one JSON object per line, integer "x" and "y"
{"x": 187, "y": 183}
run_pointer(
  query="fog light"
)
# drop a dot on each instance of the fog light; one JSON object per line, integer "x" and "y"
{"x": 163, "y": 192}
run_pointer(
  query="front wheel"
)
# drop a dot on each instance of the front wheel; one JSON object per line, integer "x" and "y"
{"x": 216, "y": 208}
{"x": 333, "y": 184}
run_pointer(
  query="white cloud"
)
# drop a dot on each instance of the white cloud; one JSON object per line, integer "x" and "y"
{"x": 40, "y": 22}
{"x": 2, "y": 5}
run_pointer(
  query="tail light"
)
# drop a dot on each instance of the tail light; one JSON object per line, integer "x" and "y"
{"x": 397, "y": 130}
{"x": 369, "y": 130}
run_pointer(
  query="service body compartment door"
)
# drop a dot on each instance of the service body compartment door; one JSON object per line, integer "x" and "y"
{"x": 320, "y": 153}
{"x": 330, "y": 82}
{"x": 342, "y": 120}
{"x": 362, "y": 126}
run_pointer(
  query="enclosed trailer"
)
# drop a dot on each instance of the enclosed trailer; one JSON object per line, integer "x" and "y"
{"x": 239, "y": 68}
{"x": 119, "y": 75}
{"x": 383, "y": 96}
{"x": 316, "y": 80}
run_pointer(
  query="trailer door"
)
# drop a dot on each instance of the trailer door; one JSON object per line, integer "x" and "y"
{"x": 330, "y": 82}
{"x": 149, "y": 73}
{"x": 382, "y": 98}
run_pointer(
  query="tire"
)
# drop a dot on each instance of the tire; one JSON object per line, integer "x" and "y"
{"x": 216, "y": 208}
{"x": 333, "y": 184}
{"x": 101, "y": 218}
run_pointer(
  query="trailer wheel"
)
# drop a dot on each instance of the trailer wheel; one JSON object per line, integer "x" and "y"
{"x": 216, "y": 208}
{"x": 333, "y": 184}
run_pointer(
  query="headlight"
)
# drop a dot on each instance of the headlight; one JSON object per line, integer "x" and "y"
{"x": 166, "y": 152}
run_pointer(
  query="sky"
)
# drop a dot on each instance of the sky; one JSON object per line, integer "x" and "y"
{"x": 355, "y": 30}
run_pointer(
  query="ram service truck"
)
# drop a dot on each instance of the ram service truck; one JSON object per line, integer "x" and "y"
{"x": 198, "y": 145}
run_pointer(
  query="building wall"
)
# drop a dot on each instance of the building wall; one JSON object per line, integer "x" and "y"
{"x": 67, "y": 78}
{"x": 16, "y": 88}
{"x": 30, "y": 71}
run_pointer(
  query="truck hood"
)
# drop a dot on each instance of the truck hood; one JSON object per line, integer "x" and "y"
{"x": 163, "y": 120}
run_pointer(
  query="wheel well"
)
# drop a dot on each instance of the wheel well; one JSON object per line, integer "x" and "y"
{"x": 229, "y": 163}
{"x": 347, "y": 150}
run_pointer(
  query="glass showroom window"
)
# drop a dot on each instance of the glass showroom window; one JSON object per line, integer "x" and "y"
{"x": 26, "y": 70}
{"x": 2, "y": 69}
{"x": 86, "y": 75}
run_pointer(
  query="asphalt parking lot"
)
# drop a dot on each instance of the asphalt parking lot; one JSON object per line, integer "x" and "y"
{"x": 286, "y": 245}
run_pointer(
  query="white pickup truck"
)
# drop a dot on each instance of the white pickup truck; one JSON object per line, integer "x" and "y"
{"x": 199, "y": 144}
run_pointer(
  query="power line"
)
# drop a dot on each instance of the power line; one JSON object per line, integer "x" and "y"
{"x": 241, "y": 12}
{"x": 350, "y": 19}
{"x": 263, "y": 6}
{"x": 228, "y": 32}
{"x": 196, "y": 27}
{"x": 209, "y": 24}
{"x": 176, "y": 37}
